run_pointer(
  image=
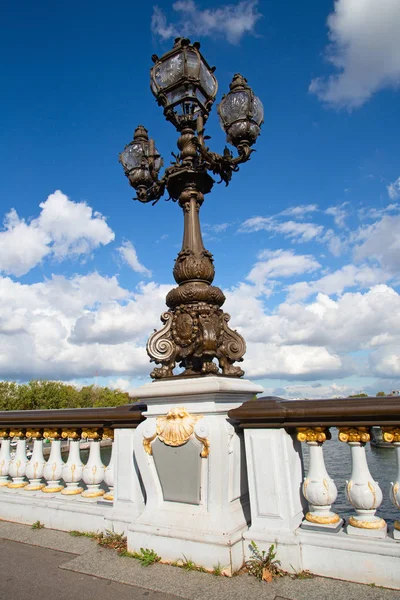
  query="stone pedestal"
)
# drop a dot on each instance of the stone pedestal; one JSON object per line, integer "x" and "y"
{"x": 275, "y": 474}
{"x": 193, "y": 468}
{"x": 128, "y": 490}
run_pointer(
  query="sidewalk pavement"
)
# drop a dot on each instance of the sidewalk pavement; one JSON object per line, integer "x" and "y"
{"x": 38, "y": 563}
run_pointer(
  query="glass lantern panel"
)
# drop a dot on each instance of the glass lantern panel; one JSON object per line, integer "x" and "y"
{"x": 234, "y": 106}
{"x": 132, "y": 156}
{"x": 257, "y": 110}
{"x": 177, "y": 95}
{"x": 207, "y": 81}
{"x": 192, "y": 64}
{"x": 169, "y": 71}
{"x": 153, "y": 86}
{"x": 201, "y": 97}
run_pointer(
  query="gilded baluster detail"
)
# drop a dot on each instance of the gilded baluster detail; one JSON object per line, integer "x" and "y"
{"x": 93, "y": 471}
{"x": 391, "y": 435}
{"x": 5, "y": 457}
{"x": 52, "y": 471}
{"x": 362, "y": 492}
{"x": 35, "y": 467}
{"x": 19, "y": 461}
{"x": 72, "y": 470}
{"x": 318, "y": 488}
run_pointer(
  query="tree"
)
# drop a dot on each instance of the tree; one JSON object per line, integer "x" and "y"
{"x": 42, "y": 394}
{"x": 381, "y": 394}
{"x": 362, "y": 395}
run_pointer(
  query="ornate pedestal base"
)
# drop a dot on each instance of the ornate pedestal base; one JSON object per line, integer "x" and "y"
{"x": 191, "y": 461}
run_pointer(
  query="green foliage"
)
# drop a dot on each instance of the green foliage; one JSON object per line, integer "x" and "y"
{"x": 381, "y": 394}
{"x": 217, "y": 570}
{"x": 147, "y": 557}
{"x": 37, "y": 525}
{"x": 262, "y": 564}
{"x": 362, "y": 395}
{"x": 42, "y": 394}
{"x": 88, "y": 534}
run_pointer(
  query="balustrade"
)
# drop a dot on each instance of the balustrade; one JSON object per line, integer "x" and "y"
{"x": 311, "y": 421}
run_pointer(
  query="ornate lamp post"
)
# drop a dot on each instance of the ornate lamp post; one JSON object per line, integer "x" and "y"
{"x": 195, "y": 330}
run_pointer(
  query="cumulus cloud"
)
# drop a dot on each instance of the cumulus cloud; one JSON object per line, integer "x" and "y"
{"x": 129, "y": 255}
{"x": 364, "y": 49}
{"x": 63, "y": 229}
{"x": 394, "y": 189}
{"x": 380, "y": 241}
{"x": 280, "y": 263}
{"x": 231, "y": 21}
{"x": 72, "y": 328}
{"x": 348, "y": 276}
{"x": 298, "y": 232}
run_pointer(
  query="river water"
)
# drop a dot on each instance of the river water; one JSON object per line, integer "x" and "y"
{"x": 381, "y": 462}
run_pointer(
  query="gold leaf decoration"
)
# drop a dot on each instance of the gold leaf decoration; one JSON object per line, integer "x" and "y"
{"x": 91, "y": 433}
{"x": 354, "y": 434}
{"x": 391, "y": 434}
{"x": 34, "y": 433}
{"x": 313, "y": 434}
{"x": 108, "y": 433}
{"x": 71, "y": 434}
{"x": 52, "y": 434}
{"x": 175, "y": 429}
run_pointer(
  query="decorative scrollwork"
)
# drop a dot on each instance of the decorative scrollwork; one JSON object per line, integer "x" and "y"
{"x": 160, "y": 347}
{"x": 354, "y": 434}
{"x": 233, "y": 342}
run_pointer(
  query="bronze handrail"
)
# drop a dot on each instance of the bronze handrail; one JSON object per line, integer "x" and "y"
{"x": 274, "y": 412}
{"x": 127, "y": 416}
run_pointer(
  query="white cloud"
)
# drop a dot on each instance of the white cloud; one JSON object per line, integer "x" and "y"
{"x": 380, "y": 241}
{"x": 231, "y": 21}
{"x": 280, "y": 263}
{"x": 364, "y": 49}
{"x": 394, "y": 189}
{"x": 63, "y": 229}
{"x": 348, "y": 276}
{"x": 339, "y": 214}
{"x": 299, "y": 232}
{"x": 385, "y": 362}
{"x": 73, "y": 328}
{"x": 129, "y": 255}
{"x": 299, "y": 211}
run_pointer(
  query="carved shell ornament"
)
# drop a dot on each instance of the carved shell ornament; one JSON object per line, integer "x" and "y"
{"x": 175, "y": 429}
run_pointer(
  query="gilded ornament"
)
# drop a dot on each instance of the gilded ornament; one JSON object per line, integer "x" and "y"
{"x": 3, "y": 433}
{"x": 35, "y": 434}
{"x": 51, "y": 434}
{"x": 18, "y": 433}
{"x": 70, "y": 434}
{"x": 397, "y": 525}
{"x": 53, "y": 490}
{"x": 322, "y": 520}
{"x": 91, "y": 433}
{"x": 391, "y": 434}
{"x": 175, "y": 429}
{"x": 354, "y": 434}
{"x": 376, "y": 524}
{"x": 109, "y": 496}
{"x": 108, "y": 434}
{"x": 16, "y": 486}
{"x": 313, "y": 434}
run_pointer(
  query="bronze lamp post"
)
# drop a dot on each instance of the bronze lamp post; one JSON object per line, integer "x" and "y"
{"x": 195, "y": 333}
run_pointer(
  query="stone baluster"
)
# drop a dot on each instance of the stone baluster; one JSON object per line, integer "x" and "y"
{"x": 392, "y": 435}
{"x": 363, "y": 493}
{"x": 318, "y": 488}
{"x": 52, "y": 471}
{"x": 34, "y": 469}
{"x": 93, "y": 471}
{"x": 73, "y": 469}
{"x": 108, "y": 434}
{"x": 5, "y": 457}
{"x": 19, "y": 461}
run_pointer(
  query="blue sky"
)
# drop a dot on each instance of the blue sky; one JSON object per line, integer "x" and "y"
{"x": 305, "y": 238}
